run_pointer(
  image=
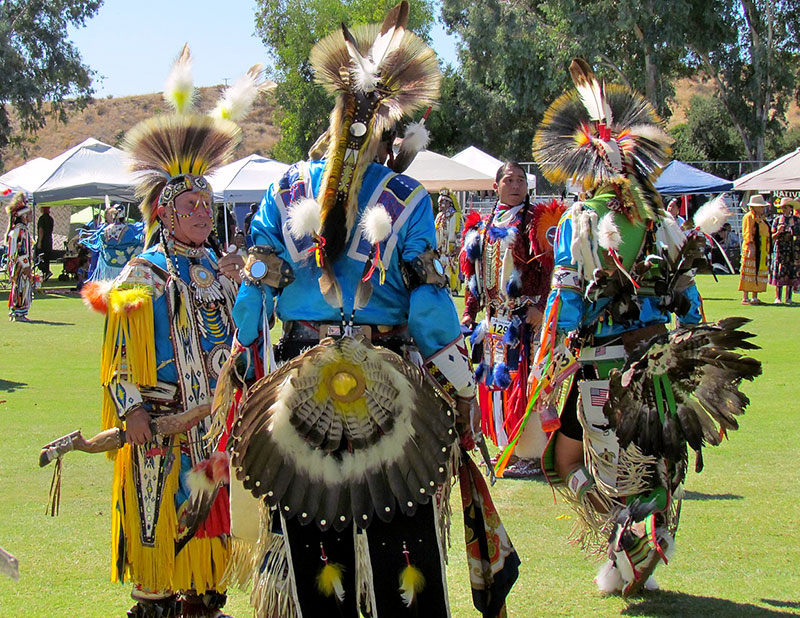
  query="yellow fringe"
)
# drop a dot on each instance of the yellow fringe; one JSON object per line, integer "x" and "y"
{"x": 151, "y": 567}
{"x": 129, "y": 322}
{"x": 201, "y": 565}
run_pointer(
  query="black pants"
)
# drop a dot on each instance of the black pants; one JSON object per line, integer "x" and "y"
{"x": 387, "y": 559}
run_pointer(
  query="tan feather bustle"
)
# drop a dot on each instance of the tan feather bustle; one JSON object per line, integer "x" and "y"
{"x": 408, "y": 79}
{"x": 167, "y": 146}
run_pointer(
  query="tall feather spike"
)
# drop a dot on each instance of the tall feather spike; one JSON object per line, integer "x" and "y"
{"x": 179, "y": 88}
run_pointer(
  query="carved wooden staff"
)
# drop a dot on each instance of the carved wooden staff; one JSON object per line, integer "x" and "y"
{"x": 113, "y": 438}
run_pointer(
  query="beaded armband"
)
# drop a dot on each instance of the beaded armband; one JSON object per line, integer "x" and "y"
{"x": 566, "y": 278}
{"x": 263, "y": 266}
{"x": 451, "y": 369}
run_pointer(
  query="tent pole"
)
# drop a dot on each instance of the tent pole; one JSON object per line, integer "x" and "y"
{"x": 225, "y": 216}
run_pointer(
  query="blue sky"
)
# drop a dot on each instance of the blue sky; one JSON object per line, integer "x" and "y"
{"x": 132, "y": 43}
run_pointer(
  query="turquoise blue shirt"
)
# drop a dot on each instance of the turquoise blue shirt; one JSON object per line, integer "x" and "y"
{"x": 429, "y": 311}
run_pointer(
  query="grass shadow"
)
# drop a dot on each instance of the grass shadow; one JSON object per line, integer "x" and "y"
{"x": 49, "y": 323}
{"x": 670, "y": 603}
{"x": 776, "y": 603}
{"x": 699, "y": 495}
{"x": 9, "y": 386}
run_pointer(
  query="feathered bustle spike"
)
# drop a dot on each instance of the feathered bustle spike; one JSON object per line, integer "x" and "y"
{"x": 712, "y": 215}
{"x": 392, "y": 29}
{"x": 179, "y": 88}
{"x": 236, "y": 100}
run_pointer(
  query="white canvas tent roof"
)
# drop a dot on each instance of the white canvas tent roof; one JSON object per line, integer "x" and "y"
{"x": 27, "y": 176}
{"x": 86, "y": 173}
{"x": 246, "y": 180}
{"x": 436, "y": 172}
{"x": 782, "y": 174}
{"x": 484, "y": 162}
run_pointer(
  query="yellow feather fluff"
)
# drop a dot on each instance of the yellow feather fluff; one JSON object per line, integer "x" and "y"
{"x": 412, "y": 582}
{"x": 329, "y": 580}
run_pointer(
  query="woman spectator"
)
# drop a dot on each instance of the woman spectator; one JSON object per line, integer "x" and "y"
{"x": 785, "y": 267}
{"x": 755, "y": 249}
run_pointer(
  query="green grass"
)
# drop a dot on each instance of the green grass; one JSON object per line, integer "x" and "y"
{"x": 737, "y": 545}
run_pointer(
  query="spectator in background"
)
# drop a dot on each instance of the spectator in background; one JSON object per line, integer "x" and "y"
{"x": 674, "y": 208}
{"x": 248, "y": 221}
{"x": 44, "y": 241}
{"x": 785, "y": 268}
{"x": 755, "y": 250}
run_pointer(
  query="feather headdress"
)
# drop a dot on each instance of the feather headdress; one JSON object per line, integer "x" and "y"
{"x": 600, "y": 134}
{"x": 175, "y": 151}
{"x": 17, "y": 206}
{"x": 379, "y": 73}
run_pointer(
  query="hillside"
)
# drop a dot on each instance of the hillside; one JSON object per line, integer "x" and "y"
{"x": 108, "y": 119}
{"x": 688, "y": 87}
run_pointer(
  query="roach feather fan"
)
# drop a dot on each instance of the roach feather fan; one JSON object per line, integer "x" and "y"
{"x": 600, "y": 134}
{"x": 682, "y": 388}
{"x": 343, "y": 433}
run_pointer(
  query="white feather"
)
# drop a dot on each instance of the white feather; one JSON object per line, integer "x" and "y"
{"x": 304, "y": 218}
{"x": 386, "y": 43}
{"x": 237, "y": 100}
{"x": 363, "y": 71}
{"x": 592, "y": 95}
{"x": 179, "y": 87}
{"x": 712, "y": 215}
{"x": 416, "y": 137}
{"x": 652, "y": 132}
{"x": 608, "y": 578}
{"x": 376, "y": 223}
{"x": 608, "y": 233}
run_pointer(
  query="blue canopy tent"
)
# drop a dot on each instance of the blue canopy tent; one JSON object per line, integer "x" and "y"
{"x": 679, "y": 178}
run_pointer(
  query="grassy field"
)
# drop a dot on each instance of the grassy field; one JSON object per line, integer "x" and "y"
{"x": 738, "y": 552}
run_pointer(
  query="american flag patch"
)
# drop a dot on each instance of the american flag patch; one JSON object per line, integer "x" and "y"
{"x": 598, "y": 396}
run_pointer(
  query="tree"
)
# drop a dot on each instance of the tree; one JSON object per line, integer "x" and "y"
{"x": 753, "y": 59}
{"x": 290, "y": 29}
{"x": 41, "y": 73}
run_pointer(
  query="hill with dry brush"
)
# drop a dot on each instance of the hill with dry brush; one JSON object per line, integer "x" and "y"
{"x": 108, "y": 119}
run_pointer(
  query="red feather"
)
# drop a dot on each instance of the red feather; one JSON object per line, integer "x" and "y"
{"x": 472, "y": 220}
{"x": 546, "y": 216}
{"x": 95, "y": 296}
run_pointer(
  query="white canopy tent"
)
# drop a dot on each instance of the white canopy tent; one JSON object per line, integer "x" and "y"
{"x": 437, "y": 172}
{"x": 87, "y": 173}
{"x": 782, "y": 174}
{"x": 485, "y": 163}
{"x": 246, "y": 180}
{"x": 27, "y": 176}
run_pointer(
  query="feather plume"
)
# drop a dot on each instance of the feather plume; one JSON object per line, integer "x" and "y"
{"x": 412, "y": 582}
{"x": 591, "y": 91}
{"x": 95, "y": 295}
{"x": 608, "y": 235}
{"x": 236, "y": 100}
{"x": 303, "y": 218}
{"x": 329, "y": 581}
{"x": 416, "y": 137}
{"x": 391, "y": 33}
{"x": 179, "y": 88}
{"x": 712, "y": 215}
{"x": 363, "y": 71}
{"x": 376, "y": 224}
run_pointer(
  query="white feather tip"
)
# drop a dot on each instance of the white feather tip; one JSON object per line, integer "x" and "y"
{"x": 377, "y": 224}
{"x": 416, "y": 137}
{"x": 712, "y": 215}
{"x": 608, "y": 578}
{"x": 237, "y": 99}
{"x": 304, "y": 218}
{"x": 179, "y": 88}
{"x": 608, "y": 235}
